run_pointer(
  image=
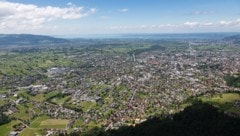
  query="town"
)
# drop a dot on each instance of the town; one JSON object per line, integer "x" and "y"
{"x": 109, "y": 83}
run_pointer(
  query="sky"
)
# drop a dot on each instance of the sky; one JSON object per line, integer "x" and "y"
{"x": 83, "y": 17}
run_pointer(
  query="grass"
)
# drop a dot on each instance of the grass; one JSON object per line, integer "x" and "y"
{"x": 30, "y": 132}
{"x": 38, "y": 98}
{"x": 226, "y": 97}
{"x": 2, "y": 102}
{"x": 24, "y": 94}
{"x": 78, "y": 123}
{"x": 22, "y": 113}
{"x": 44, "y": 97}
{"x": 6, "y": 128}
{"x": 54, "y": 123}
{"x": 3, "y": 90}
{"x": 60, "y": 101}
{"x": 224, "y": 101}
{"x": 87, "y": 105}
{"x": 37, "y": 122}
{"x": 30, "y": 63}
{"x": 46, "y": 122}
{"x": 51, "y": 94}
{"x": 93, "y": 124}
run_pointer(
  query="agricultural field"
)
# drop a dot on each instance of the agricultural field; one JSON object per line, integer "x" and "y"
{"x": 37, "y": 122}
{"x": 54, "y": 123}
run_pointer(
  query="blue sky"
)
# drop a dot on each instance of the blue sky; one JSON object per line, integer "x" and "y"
{"x": 77, "y": 17}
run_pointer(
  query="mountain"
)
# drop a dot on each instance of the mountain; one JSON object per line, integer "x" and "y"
{"x": 28, "y": 39}
{"x": 235, "y": 38}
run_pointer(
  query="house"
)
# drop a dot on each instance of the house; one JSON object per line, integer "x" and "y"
{"x": 13, "y": 133}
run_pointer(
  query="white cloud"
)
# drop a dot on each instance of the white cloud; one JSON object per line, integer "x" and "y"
{"x": 238, "y": 22}
{"x": 123, "y": 10}
{"x": 207, "y": 24}
{"x": 22, "y": 16}
{"x": 226, "y": 23}
{"x": 191, "y": 24}
{"x": 230, "y": 23}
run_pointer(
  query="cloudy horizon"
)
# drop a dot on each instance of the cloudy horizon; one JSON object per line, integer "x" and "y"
{"x": 79, "y": 17}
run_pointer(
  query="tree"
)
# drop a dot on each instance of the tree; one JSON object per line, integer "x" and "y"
{"x": 3, "y": 119}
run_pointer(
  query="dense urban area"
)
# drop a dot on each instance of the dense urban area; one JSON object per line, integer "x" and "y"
{"x": 52, "y": 86}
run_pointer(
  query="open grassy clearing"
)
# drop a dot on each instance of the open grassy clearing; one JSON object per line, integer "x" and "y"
{"x": 87, "y": 105}
{"x": 36, "y": 123}
{"x": 6, "y": 128}
{"x": 2, "y": 102}
{"x": 224, "y": 101}
{"x": 78, "y": 123}
{"x": 218, "y": 98}
{"x": 51, "y": 94}
{"x": 60, "y": 101}
{"x": 38, "y": 97}
{"x": 30, "y": 132}
{"x": 47, "y": 122}
{"x": 22, "y": 113}
{"x": 54, "y": 123}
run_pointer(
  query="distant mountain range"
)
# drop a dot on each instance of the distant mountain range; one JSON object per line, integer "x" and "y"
{"x": 31, "y": 40}
{"x": 28, "y": 39}
{"x": 235, "y": 38}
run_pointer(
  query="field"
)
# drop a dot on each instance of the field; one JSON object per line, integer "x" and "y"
{"x": 6, "y": 128}
{"x": 2, "y": 102}
{"x": 87, "y": 105}
{"x": 60, "y": 101}
{"x": 54, "y": 123}
{"x": 38, "y": 97}
{"x": 36, "y": 126}
{"x": 30, "y": 132}
{"x": 78, "y": 123}
{"x": 46, "y": 122}
{"x": 36, "y": 123}
{"x": 22, "y": 113}
{"x": 224, "y": 101}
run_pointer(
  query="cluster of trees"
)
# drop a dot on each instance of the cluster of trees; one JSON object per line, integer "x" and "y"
{"x": 152, "y": 48}
{"x": 28, "y": 39}
{"x": 233, "y": 81}
{"x": 3, "y": 119}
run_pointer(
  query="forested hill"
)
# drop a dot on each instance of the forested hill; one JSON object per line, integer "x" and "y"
{"x": 28, "y": 39}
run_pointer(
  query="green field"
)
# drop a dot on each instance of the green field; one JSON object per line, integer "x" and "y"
{"x": 43, "y": 122}
{"x": 22, "y": 113}
{"x": 60, "y": 101}
{"x": 78, "y": 123}
{"x": 37, "y": 122}
{"x": 54, "y": 123}
{"x": 224, "y": 101}
{"x": 30, "y": 132}
{"x": 38, "y": 97}
{"x": 87, "y": 105}
{"x": 46, "y": 122}
{"x": 51, "y": 94}
{"x": 2, "y": 102}
{"x": 6, "y": 128}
